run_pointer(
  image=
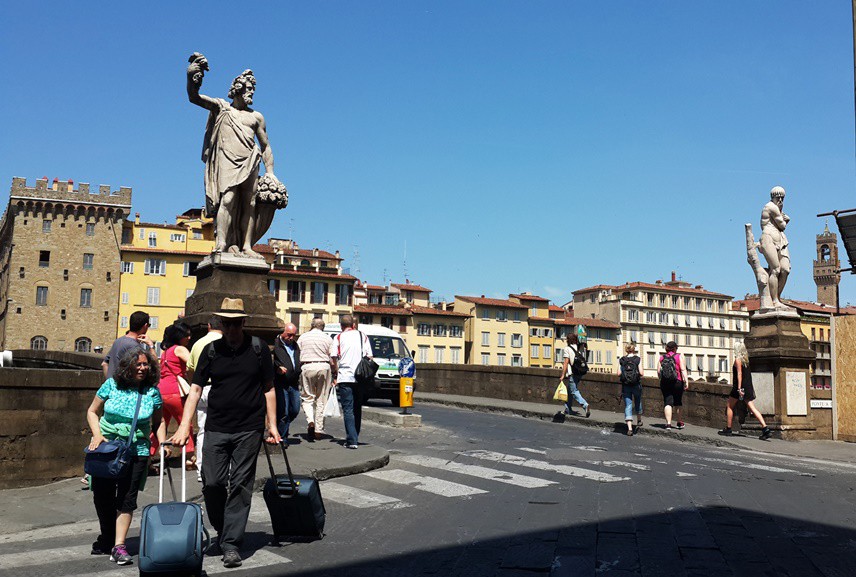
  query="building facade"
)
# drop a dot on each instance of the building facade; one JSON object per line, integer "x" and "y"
{"x": 542, "y": 330}
{"x": 59, "y": 265}
{"x": 602, "y": 342}
{"x": 496, "y": 331}
{"x": 704, "y": 324}
{"x": 158, "y": 266}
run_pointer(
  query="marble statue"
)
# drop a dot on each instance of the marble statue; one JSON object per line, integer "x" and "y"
{"x": 774, "y": 246}
{"x": 241, "y": 202}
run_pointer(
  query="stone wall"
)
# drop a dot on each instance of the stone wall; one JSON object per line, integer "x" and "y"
{"x": 844, "y": 377}
{"x": 704, "y": 403}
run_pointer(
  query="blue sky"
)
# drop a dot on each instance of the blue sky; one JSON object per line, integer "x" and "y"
{"x": 505, "y": 146}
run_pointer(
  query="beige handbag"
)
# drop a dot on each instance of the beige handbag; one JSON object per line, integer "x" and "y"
{"x": 183, "y": 386}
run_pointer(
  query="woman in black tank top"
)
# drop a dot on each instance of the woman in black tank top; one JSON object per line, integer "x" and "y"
{"x": 742, "y": 390}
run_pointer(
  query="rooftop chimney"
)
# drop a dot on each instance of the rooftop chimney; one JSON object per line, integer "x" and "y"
{"x": 674, "y": 278}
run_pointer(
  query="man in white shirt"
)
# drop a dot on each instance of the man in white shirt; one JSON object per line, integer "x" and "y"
{"x": 349, "y": 349}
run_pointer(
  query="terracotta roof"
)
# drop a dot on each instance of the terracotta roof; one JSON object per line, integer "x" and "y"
{"x": 411, "y": 287}
{"x": 180, "y": 227}
{"x": 382, "y": 310}
{"x": 263, "y": 248}
{"x": 417, "y": 310}
{"x": 129, "y": 248}
{"x": 652, "y": 286}
{"x": 305, "y": 253}
{"x": 373, "y": 287}
{"x": 524, "y": 297}
{"x": 556, "y": 309}
{"x": 309, "y": 274}
{"x": 542, "y": 319}
{"x": 594, "y": 323}
{"x": 754, "y": 304}
{"x": 492, "y": 302}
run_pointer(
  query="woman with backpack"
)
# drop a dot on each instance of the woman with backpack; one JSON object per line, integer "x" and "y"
{"x": 742, "y": 390}
{"x": 574, "y": 366}
{"x": 631, "y": 386}
{"x": 673, "y": 383}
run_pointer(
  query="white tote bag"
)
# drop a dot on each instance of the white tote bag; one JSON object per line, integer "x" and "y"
{"x": 331, "y": 409}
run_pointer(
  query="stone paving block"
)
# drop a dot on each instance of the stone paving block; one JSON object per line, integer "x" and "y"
{"x": 617, "y": 552}
{"x": 573, "y": 563}
{"x": 532, "y": 556}
{"x": 710, "y": 560}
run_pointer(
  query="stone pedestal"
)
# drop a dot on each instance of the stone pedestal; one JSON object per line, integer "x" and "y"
{"x": 222, "y": 276}
{"x": 779, "y": 358}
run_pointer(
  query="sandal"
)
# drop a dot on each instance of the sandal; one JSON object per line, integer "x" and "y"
{"x": 190, "y": 464}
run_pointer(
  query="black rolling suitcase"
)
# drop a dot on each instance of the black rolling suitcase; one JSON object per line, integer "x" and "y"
{"x": 294, "y": 503}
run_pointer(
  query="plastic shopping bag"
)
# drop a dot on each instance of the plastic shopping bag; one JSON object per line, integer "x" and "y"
{"x": 331, "y": 409}
{"x": 561, "y": 393}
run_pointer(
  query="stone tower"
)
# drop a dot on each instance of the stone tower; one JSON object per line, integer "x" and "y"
{"x": 826, "y": 265}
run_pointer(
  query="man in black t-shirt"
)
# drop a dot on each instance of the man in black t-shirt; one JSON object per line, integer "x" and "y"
{"x": 241, "y": 404}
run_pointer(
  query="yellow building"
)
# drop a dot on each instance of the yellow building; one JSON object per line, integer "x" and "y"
{"x": 602, "y": 346}
{"x": 496, "y": 332}
{"x": 542, "y": 329}
{"x": 158, "y": 262}
{"x": 307, "y": 284}
{"x": 437, "y": 335}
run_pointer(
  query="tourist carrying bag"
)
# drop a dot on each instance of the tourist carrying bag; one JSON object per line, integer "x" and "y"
{"x": 183, "y": 386}
{"x": 331, "y": 409}
{"x": 561, "y": 393}
{"x": 112, "y": 459}
{"x": 173, "y": 538}
{"x": 367, "y": 369}
{"x": 294, "y": 502}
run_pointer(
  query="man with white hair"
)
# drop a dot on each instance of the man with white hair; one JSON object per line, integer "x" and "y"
{"x": 316, "y": 366}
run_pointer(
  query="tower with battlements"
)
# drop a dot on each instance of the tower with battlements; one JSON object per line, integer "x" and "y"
{"x": 826, "y": 265}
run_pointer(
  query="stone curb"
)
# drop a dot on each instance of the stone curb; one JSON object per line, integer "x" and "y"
{"x": 392, "y": 417}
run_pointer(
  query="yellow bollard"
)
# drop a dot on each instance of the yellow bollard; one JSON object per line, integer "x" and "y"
{"x": 405, "y": 393}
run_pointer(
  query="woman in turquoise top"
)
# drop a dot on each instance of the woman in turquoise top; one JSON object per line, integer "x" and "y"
{"x": 115, "y": 499}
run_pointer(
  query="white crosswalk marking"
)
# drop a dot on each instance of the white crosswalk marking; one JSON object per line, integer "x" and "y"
{"x": 360, "y": 498}
{"x": 632, "y": 466}
{"x": 544, "y": 466}
{"x": 477, "y": 471}
{"x": 424, "y": 483}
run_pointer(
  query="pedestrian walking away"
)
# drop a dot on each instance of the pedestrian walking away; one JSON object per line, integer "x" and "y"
{"x": 241, "y": 404}
{"x": 316, "y": 377}
{"x": 131, "y": 392}
{"x": 215, "y": 331}
{"x": 630, "y": 375}
{"x": 742, "y": 391}
{"x": 574, "y": 367}
{"x": 673, "y": 383}
{"x": 350, "y": 347}
{"x": 286, "y": 380}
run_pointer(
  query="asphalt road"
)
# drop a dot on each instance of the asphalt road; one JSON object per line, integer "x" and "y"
{"x": 476, "y": 494}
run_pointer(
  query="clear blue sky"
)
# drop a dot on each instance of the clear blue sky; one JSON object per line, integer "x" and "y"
{"x": 543, "y": 146}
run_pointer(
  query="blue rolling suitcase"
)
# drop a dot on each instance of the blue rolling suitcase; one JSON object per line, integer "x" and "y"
{"x": 173, "y": 538}
{"x": 294, "y": 503}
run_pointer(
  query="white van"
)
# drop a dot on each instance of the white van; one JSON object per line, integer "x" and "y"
{"x": 388, "y": 348}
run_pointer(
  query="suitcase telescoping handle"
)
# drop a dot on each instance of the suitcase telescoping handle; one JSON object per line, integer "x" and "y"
{"x": 293, "y": 485}
{"x": 165, "y": 465}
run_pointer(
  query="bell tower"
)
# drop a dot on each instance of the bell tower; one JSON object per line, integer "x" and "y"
{"x": 826, "y": 266}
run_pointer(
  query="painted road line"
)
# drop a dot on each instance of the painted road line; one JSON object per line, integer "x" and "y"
{"x": 682, "y": 474}
{"x": 768, "y": 468}
{"x": 477, "y": 471}
{"x": 632, "y": 466}
{"x": 58, "y": 531}
{"x": 360, "y": 498}
{"x": 536, "y": 451}
{"x": 424, "y": 483}
{"x": 544, "y": 466}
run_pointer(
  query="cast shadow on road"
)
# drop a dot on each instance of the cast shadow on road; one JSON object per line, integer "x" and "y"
{"x": 718, "y": 541}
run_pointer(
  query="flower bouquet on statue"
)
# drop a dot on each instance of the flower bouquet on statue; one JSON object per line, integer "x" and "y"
{"x": 271, "y": 191}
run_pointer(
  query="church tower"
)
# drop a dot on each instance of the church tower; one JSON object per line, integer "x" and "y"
{"x": 826, "y": 266}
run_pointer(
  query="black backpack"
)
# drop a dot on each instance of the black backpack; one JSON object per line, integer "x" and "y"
{"x": 580, "y": 366}
{"x": 668, "y": 369}
{"x": 629, "y": 370}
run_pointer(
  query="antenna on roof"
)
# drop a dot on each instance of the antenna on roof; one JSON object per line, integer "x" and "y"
{"x": 385, "y": 277}
{"x": 356, "y": 260}
{"x": 405, "y": 260}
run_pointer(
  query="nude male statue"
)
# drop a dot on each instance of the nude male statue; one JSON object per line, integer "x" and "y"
{"x": 231, "y": 159}
{"x": 774, "y": 245}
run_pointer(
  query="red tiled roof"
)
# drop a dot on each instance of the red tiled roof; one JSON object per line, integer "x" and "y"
{"x": 542, "y": 319}
{"x": 382, "y": 310}
{"x": 311, "y": 274}
{"x": 529, "y": 298}
{"x": 129, "y": 248}
{"x": 492, "y": 302}
{"x": 417, "y": 310}
{"x": 556, "y": 309}
{"x": 595, "y": 323}
{"x": 263, "y": 248}
{"x": 754, "y": 304}
{"x": 305, "y": 253}
{"x": 652, "y": 286}
{"x": 411, "y": 287}
{"x": 180, "y": 227}
{"x": 374, "y": 287}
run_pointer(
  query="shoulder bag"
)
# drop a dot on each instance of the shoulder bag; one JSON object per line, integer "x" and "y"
{"x": 112, "y": 459}
{"x": 367, "y": 369}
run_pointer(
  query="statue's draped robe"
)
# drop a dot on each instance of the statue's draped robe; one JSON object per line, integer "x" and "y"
{"x": 231, "y": 156}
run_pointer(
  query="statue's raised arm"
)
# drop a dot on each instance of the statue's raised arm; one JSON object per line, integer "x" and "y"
{"x": 195, "y": 73}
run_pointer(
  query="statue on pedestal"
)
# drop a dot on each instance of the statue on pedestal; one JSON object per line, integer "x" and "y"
{"x": 774, "y": 246}
{"x": 241, "y": 202}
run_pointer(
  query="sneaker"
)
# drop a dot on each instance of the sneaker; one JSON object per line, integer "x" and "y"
{"x": 668, "y": 427}
{"x": 680, "y": 425}
{"x": 588, "y": 412}
{"x": 352, "y": 446}
{"x": 199, "y": 476}
{"x": 119, "y": 555}
{"x": 99, "y": 548}
{"x": 231, "y": 558}
{"x": 726, "y": 432}
{"x": 766, "y": 433}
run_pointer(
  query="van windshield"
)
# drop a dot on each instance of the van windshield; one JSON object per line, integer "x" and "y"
{"x": 388, "y": 347}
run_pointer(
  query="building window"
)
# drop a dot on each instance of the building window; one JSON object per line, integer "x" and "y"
{"x": 21, "y": 272}
{"x": 423, "y": 330}
{"x": 155, "y": 266}
{"x": 153, "y": 239}
{"x": 44, "y": 258}
{"x": 517, "y": 341}
{"x": 500, "y": 359}
{"x": 516, "y": 361}
{"x": 386, "y": 322}
{"x": 128, "y": 267}
{"x": 502, "y": 315}
{"x": 65, "y": 274}
{"x": 46, "y": 226}
{"x": 485, "y": 314}
{"x": 485, "y": 338}
{"x": 90, "y": 231}
{"x": 456, "y": 331}
{"x": 189, "y": 268}
{"x": 609, "y": 358}
{"x": 533, "y": 351}
{"x": 154, "y": 322}
{"x": 197, "y": 235}
{"x": 634, "y": 336}
{"x": 455, "y": 355}
{"x": 273, "y": 287}
{"x": 440, "y": 330}
{"x": 344, "y": 294}
{"x": 438, "y": 354}
{"x": 109, "y": 276}
{"x": 123, "y": 322}
{"x": 41, "y": 296}
{"x": 723, "y": 364}
{"x": 517, "y": 315}
{"x": 62, "y": 314}
{"x": 651, "y": 361}
{"x": 598, "y": 358}
{"x": 125, "y": 298}
{"x": 142, "y": 234}
{"x": 153, "y": 295}
{"x": 548, "y": 351}
{"x": 88, "y": 260}
{"x": 500, "y": 342}
{"x": 391, "y": 299}
{"x": 319, "y": 293}
{"x": 86, "y": 298}
{"x": 296, "y": 291}
{"x": 423, "y": 354}
{"x": 176, "y": 237}
{"x": 485, "y": 359}
{"x": 633, "y": 315}
{"x": 39, "y": 343}
{"x": 82, "y": 345}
